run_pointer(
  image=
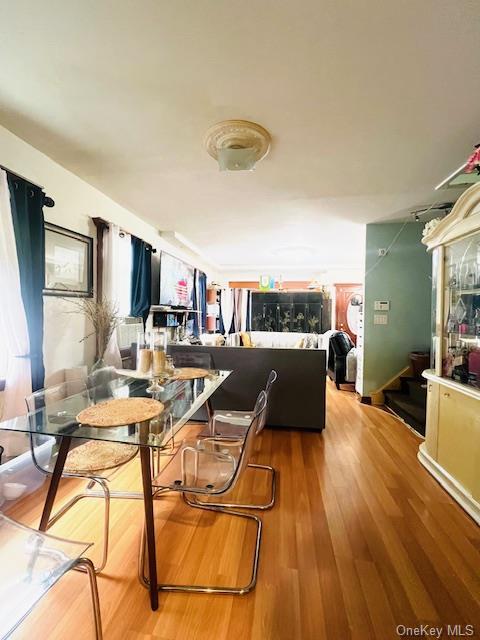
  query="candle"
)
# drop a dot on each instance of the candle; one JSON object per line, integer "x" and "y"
{"x": 158, "y": 362}
{"x": 144, "y": 360}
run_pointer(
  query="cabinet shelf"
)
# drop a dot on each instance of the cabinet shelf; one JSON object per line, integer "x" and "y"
{"x": 464, "y": 292}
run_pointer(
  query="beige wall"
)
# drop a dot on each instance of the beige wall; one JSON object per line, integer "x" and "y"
{"x": 76, "y": 202}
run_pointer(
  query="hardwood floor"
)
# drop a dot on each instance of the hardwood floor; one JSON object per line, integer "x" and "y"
{"x": 362, "y": 539}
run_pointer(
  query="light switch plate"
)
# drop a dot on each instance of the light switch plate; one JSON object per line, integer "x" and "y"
{"x": 381, "y": 305}
{"x": 380, "y": 318}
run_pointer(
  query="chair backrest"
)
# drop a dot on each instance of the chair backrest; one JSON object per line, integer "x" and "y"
{"x": 30, "y": 563}
{"x": 270, "y": 382}
{"x": 271, "y": 379}
{"x": 51, "y": 395}
{"x": 98, "y": 383}
{"x": 48, "y": 399}
{"x": 237, "y": 461}
{"x": 247, "y": 449}
{"x": 192, "y": 359}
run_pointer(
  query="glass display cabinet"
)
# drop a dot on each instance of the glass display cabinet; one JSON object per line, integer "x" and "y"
{"x": 300, "y": 312}
{"x": 461, "y": 348}
{"x": 451, "y": 451}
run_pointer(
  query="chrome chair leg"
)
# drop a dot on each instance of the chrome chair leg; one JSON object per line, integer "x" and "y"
{"x": 208, "y": 589}
{"x": 262, "y": 507}
{"x": 86, "y": 565}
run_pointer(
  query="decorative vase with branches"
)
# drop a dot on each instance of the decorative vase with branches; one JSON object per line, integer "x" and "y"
{"x": 103, "y": 316}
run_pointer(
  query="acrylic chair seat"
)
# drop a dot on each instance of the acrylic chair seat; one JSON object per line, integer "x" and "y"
{"x": 202, "y": 466}
{"x": 30, "y": 564}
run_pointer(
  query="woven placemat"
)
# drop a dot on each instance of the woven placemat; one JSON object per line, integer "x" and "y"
{"x": 190, "y": 373}
{"x": 121, "y": 411}
{"x": 94, "y": 456}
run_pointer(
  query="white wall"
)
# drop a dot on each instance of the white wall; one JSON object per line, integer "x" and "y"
{"x": 76, "y": 202}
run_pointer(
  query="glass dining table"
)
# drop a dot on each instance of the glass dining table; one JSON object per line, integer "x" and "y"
{"x": 181, "y": 399}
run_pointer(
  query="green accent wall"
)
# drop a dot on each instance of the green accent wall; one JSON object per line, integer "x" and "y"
{"x": 403, "y": 277}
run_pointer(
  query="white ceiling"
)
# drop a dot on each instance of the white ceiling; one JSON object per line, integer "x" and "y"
{"x": 369, "y": 103}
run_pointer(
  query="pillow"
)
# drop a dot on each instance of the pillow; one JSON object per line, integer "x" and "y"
{"x": 246, "y": 340}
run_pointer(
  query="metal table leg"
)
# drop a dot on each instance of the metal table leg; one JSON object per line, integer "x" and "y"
{"x": 149, "y": 526}
{"x": 55, "y": 481}
{"x": 208, "y": 406}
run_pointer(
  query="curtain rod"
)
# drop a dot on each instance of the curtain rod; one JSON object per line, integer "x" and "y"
{"x": 18, "y": 175}
{"x": 48, "y": 202}
{"x": 105, "y": 223}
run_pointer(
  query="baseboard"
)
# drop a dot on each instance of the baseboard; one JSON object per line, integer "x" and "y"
{"x": 448, "y": 482}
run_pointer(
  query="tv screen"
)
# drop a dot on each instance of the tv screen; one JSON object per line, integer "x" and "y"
{"x": 176, "y": 282}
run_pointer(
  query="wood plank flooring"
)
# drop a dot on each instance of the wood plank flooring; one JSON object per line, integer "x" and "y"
{"x": 362, "y": 539}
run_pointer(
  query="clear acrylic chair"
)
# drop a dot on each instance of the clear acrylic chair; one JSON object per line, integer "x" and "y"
{"x": 31, "y": 562}
{"x": 234, "y": 425}
{"x": 210, "y": 467}
{"x": 88, "y": 459}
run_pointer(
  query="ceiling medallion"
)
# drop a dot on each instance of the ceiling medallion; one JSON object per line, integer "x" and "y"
{"x": 237, "y": 145}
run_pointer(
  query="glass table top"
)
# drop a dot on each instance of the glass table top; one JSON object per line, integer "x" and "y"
{"x": 181, "y": 400}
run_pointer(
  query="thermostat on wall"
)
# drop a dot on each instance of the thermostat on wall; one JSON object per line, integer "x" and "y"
{"x": 381, "y": 305}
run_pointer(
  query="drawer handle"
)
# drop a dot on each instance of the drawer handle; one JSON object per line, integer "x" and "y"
{"x": 430, "y": 387}
{"x": 446, "y": 395}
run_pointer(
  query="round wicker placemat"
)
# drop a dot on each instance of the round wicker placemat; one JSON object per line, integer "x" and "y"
{"x": 94, "y": 456}
{"x": 121, "y": 411}
{"x": 190, "y": 373}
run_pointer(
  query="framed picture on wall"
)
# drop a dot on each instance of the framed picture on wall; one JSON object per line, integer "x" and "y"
{"x": 68, "y": 263}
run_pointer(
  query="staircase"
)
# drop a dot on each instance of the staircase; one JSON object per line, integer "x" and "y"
{"x": 409, "y": 402}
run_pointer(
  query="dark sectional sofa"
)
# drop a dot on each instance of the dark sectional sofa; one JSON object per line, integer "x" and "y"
{"x": 298, "y": 396}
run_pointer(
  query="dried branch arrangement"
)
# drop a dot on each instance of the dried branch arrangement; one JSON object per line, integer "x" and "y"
{"x": 103, "y": 315}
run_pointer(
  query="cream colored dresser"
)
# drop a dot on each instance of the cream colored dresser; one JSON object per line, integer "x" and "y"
{"x": 451, "y": 451}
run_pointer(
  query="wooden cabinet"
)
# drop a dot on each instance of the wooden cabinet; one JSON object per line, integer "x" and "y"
{"x": 451, "y": 451}
{"x": 459, "y": 437}
{"x": 431, "y": 429}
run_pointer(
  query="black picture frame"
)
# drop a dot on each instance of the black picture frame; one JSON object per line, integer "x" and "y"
{"x": 73, "y": 277}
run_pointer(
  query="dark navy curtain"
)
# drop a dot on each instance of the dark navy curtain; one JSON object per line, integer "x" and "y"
{"x": 221, "y": 327}
{"x": 248, "y": 326}
{"x": 141, "y": 291}
{"x": 27, "y": 215}
{"x": 202, "y": 299}
{"x": 200, "y": 303}
{"x": 196, "y": 307}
